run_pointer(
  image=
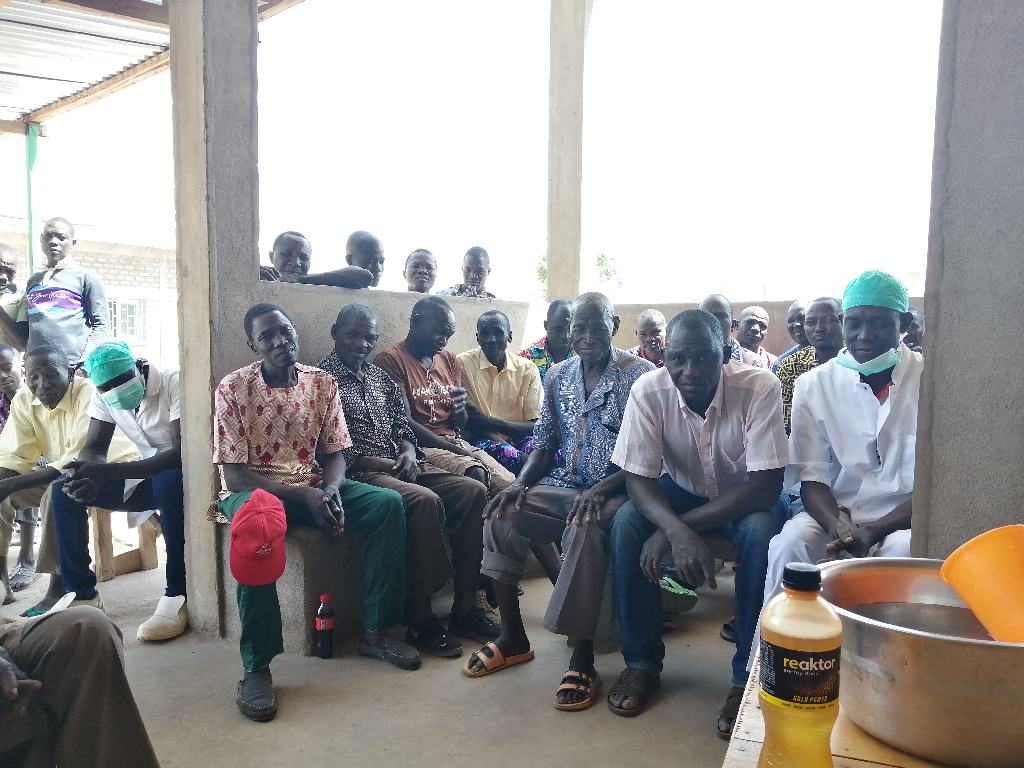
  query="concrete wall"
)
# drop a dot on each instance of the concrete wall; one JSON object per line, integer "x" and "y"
{"x": 776, "y": 342}
{"x": 970, "y": 442}
{"x": 313, "y": 309}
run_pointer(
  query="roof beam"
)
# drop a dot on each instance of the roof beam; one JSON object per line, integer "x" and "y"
{"x": 19, "y": 127}
{"x": 270, "y": 8}
{"x": 130, "y": 76}
{"x": 132, "y": 10}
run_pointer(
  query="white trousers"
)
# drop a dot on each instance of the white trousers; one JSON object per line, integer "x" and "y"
{"x": 802, "y": 540}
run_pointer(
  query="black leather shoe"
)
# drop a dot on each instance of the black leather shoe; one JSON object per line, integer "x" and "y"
{"x": 475, "y": 625}
{"x": 256, "y": 698}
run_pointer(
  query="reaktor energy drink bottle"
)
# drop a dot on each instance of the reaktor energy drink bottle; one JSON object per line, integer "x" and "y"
{"x": 801, "y": 639}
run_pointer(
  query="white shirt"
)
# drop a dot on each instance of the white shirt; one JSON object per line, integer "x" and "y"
{"x": 743, "y": 431}
{"x": 843, "y": 437}
{"x": 150, "y": 428}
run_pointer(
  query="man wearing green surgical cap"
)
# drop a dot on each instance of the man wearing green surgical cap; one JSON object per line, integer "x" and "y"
{"x": 143, "y": 402}
{"x": 854, "y": 429}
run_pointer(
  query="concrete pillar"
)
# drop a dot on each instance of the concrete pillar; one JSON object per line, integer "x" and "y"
{"x": 569, "y": 21}
{"x": 970, "y": 442}
{"x": 213, "y": 82}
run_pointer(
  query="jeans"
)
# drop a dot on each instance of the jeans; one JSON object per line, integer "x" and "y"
{"x": 164, "y": 492}
{"x": 639, "y": 601}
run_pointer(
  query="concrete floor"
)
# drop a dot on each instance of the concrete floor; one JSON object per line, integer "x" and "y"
{"x": 360, "y": 712}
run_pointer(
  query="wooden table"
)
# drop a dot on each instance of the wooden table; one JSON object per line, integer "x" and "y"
{"x": 851, "y": 747}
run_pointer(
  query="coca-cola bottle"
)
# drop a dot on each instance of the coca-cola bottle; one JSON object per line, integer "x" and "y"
{"x": 325, "y": 628}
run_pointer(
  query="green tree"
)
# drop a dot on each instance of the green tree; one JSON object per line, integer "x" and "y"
{"x": 542, "y": 275}
{"x": 608, "y": 271}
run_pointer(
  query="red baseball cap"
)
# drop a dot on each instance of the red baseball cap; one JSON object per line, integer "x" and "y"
{"x": 257, "y": 540}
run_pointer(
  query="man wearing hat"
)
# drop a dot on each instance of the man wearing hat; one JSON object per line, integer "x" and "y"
{"x": 279, "y": 438}
{"x": 854, "y": 429}
{"x": 142, "y": 402}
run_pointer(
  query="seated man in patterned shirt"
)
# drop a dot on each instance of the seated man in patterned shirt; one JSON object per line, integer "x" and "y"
{"x": 476, "y": 266}
{"x": 430, "y": 379}
{"x": 554, "y": 347}
{"x": 823, "y": 321}
{"x": 573, "y": 500}
{"x": 383, "y": 453}
{"x": 650, "y": 332}
{"x": 795, "y": 316}
{"x": 273, "y": 419}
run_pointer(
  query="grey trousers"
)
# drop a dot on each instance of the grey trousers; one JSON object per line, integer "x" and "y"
{"x": 575, "y": 604}
{"x": 47, "y": 558}
{"x": 85, "y": 715}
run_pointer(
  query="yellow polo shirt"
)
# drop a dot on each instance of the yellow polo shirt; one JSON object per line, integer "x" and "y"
{"x": 513, "y": 394}
{"x": 57, "y": 435}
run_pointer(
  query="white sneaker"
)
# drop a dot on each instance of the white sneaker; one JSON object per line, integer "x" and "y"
{"x": 169, "y": 621}
{"x": 95, "y": 601}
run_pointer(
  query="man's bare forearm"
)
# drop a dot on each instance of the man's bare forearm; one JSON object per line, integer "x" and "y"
{"x": 334, "y": 470}
{"x": 648, "y": 497}
{"x": 478, "y": 422}
{"x": 16, "y": 336}
{"x": 427, "y": 439}
{"x": 538, "y": 464}
{"x": 897, "y": 520}
{"x": 758, "y": 493}
{"x": 820, "y": 504}
{"x": 37, "y": 478}
{"x": 144, "y": 468}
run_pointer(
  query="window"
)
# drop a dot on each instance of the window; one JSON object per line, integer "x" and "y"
{"x": 127, "y": 319}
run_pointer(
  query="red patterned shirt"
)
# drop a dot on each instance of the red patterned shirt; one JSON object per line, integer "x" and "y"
{"x": 277, "y": 431}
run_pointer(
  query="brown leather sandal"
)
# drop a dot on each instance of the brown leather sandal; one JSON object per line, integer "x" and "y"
{"x": 582, "y": 682}
{"x": 638, "y": 684}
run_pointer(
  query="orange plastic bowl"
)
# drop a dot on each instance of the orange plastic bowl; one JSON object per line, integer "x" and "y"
{"x": 988, "y": 573}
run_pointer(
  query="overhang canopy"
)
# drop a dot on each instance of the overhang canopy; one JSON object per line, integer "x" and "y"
{"x": 56, "y": 55}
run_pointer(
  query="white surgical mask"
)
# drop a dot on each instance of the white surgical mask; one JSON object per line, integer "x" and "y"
{"x": 883, "y": 362}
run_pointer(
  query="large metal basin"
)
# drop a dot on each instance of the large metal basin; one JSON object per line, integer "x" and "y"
{"x": 918, "y": 670}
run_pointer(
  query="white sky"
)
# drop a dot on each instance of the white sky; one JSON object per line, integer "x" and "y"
{"x": 769, "y": 150}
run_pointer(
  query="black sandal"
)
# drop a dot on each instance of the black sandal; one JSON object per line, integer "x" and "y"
{"x": 730, "y": 712}
{"x": 638, "y": 684}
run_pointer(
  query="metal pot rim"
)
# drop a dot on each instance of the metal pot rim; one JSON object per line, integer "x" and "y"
{"x": 838, "y": 567}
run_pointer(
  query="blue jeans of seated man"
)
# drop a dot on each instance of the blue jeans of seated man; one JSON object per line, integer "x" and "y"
{"x": 164, "y": 492}
{"x": 639, "y": 601}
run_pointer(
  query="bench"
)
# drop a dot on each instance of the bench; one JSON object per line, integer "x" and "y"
{"x": 108, "y": 565}
{"x": 315, "y": 564}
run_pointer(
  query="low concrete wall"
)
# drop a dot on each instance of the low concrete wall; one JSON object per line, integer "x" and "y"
{"x": 313, "y": 309}
{"x": 776, "y": 342}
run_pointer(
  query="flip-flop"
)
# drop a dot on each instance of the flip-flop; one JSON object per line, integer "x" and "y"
{"x": 494, "y": 663}
{"x": 584, "y": 684}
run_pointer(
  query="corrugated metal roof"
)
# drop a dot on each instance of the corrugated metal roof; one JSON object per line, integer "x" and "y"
{"x": 48, "y": 52}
